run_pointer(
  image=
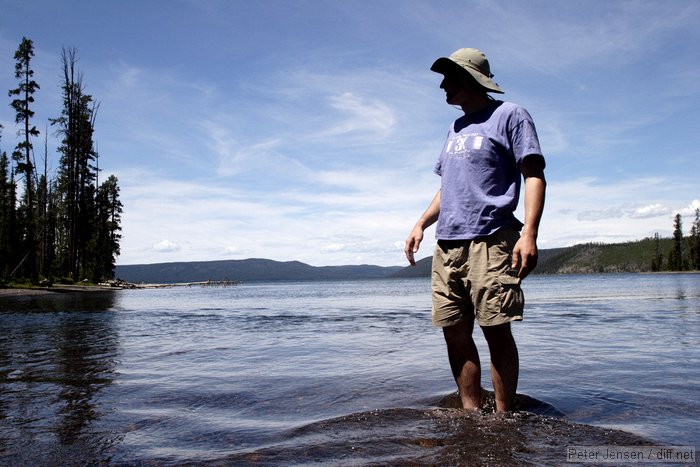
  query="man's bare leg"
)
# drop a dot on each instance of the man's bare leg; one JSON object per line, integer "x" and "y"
{"x": 504, "y": 364}
{"x": 464, "y": 361}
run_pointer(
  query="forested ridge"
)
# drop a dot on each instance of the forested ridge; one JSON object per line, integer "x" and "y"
{"x": 63, "y": 224}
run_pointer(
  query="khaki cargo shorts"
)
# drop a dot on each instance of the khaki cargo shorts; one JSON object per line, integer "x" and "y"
{"x": 473, "y": 278}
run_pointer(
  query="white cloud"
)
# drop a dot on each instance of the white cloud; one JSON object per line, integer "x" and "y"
{"x": 645, "y": 212}
{"x": 363, "y": 115}
{"x": 166, "y": 246}
{"x": 333, "y": 247}
{"x": 598, "y": 214}
{"x": 235, "y": 159}
{"x": 231, "y": 250}
{"x": 691, "y": 208}
{"x": 651, "y": 210}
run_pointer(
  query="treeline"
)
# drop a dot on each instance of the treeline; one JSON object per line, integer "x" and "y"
{"x": 61, "y": 226}
{"x": 684, "y": 254}
{"x": 678, "y": 253}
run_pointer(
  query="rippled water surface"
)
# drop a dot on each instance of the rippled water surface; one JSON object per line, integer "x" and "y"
{"x": 339, "y": 372}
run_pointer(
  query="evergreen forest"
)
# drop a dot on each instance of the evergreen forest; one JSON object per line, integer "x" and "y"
{"x": 59, "y": 224}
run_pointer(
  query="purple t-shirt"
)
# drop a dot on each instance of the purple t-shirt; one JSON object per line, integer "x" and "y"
{"x": 480, "y": 171}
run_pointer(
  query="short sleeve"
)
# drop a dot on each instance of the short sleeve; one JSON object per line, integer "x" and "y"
{"x": 523, "y": 137}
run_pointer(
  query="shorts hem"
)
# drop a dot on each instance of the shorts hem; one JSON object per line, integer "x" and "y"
{"x": 505, "y": 320}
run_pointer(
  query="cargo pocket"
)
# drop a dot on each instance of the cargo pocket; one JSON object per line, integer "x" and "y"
{"x": 512, "y": 297}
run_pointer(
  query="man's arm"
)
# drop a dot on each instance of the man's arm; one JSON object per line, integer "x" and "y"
{"x": 525, "y": 251}
{"x": 428, "y": 218}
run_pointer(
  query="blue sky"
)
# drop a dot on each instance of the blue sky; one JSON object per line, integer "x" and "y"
{"x": 308, "y": 130}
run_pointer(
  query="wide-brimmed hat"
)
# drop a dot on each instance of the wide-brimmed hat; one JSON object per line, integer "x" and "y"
{"x": 474, "y": 61}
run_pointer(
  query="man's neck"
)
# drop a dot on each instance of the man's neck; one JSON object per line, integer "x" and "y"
{"x": 477, "y": 104}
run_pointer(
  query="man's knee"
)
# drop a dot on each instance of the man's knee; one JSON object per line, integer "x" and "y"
{"x": 499, "y": 338}
{"x": 458, "y": 332}
{"x": 498, "y": 332}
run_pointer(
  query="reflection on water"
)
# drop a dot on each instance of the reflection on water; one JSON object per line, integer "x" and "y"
{"x": 57, "y": 353}
{"x": 59, "y": 301}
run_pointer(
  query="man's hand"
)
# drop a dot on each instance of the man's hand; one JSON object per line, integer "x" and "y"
{"x": 524, "y": 256}
{"x": 413, "y": 243}
{"x": 428, "y": 218}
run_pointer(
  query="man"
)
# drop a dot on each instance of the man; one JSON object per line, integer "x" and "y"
{"x": 481, "y": 255}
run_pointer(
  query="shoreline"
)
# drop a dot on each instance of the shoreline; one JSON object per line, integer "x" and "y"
{"x": 118, "y": 285}
{"x": 55, "y": 289}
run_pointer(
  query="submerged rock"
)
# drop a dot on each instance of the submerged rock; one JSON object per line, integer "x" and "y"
{"x": 444, "y": 435}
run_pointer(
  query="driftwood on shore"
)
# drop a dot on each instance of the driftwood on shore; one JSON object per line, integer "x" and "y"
{"x": 102, "y": 287}
{"x": 122, "y": 284}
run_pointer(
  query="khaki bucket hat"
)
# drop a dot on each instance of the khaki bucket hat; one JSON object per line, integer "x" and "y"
{"x": 474, "y": 61}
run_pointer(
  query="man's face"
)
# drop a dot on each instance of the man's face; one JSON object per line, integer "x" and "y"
{"x": 459, "y": 88}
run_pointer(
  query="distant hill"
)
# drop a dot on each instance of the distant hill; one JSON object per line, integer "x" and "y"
{"x": 246, "y": 270}
{"x": 421, "y": 269}
{"x": 578, "y": 259}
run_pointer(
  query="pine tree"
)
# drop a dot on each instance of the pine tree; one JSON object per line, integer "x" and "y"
{"x": 694, "y": 242}
{"x": 675, "y": 256}
{"x": 23, "y": 153}
{"x": 657, "y": 259}
{"x": 45, "y": 222}
{"x": 109, "y": 209}
{"x": 76, "y": 171}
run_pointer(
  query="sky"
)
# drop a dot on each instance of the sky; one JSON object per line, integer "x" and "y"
{"x": 308, "y": 130}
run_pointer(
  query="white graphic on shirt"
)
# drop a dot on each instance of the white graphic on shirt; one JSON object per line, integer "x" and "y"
{"x": 461, "y": 146}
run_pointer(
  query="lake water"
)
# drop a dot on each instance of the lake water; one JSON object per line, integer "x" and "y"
{"x": 345, "y": 373}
